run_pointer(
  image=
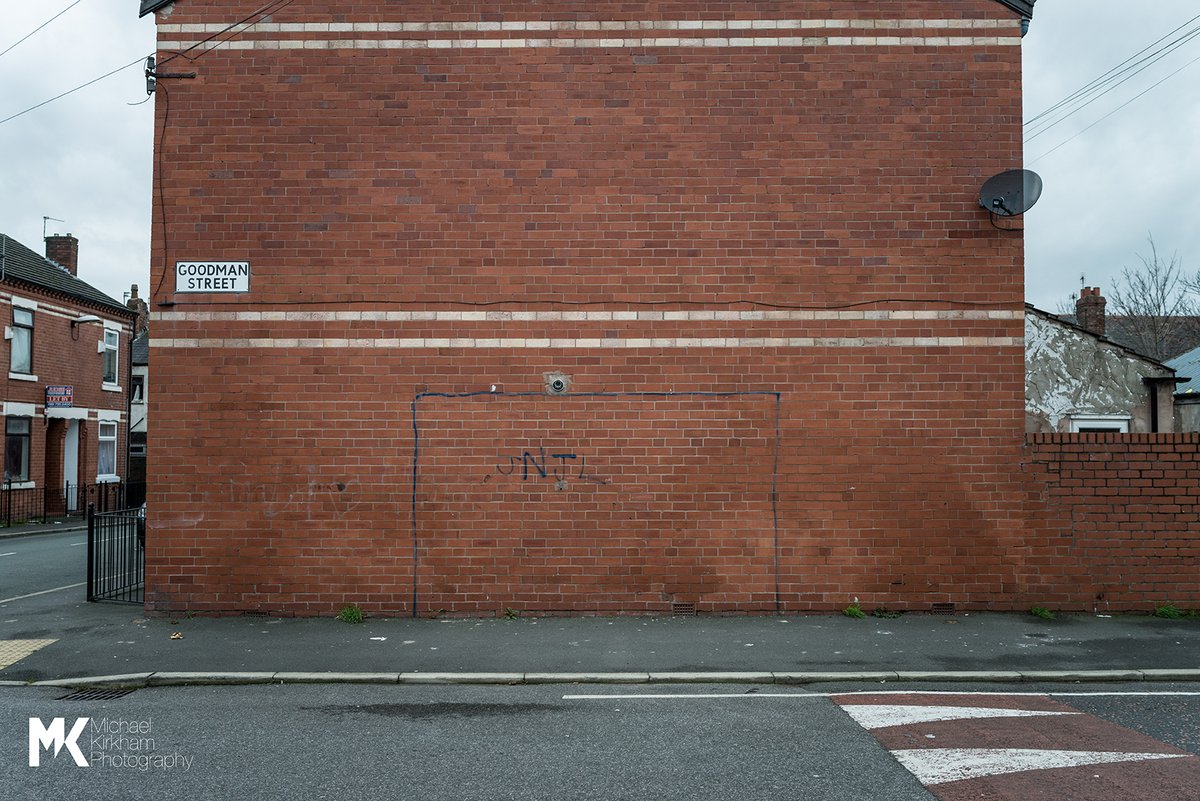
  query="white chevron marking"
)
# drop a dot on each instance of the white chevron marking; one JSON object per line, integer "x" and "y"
{"x": 878, "y": 716}
{"x": 941, "y": 765}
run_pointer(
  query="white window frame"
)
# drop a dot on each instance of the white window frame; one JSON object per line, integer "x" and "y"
{"x": 30, "y": 307}
{"x": 115, "y": 348}
{"x": 102, "y": 441}
{"x": 1111, "y": 423}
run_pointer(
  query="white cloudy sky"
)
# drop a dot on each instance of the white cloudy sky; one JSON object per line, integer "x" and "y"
{"x": 86, "y": 159}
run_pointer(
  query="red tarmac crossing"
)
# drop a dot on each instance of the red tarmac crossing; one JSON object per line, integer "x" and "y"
{"x": 1022, "y": 748}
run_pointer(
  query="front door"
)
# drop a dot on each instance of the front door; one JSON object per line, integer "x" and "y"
{"x": 71, "y": 466}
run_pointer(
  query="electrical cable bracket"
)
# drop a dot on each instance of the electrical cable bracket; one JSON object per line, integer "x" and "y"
{"x": 153, "y": 77}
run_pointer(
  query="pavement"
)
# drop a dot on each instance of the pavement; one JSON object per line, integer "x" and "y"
{"x": 62, "y": 640}
{"x": 49, "y": 527}
{"x": 55, "y": 636}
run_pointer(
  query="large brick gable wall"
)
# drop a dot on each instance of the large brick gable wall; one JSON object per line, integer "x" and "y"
{"x": 747, "y": 234}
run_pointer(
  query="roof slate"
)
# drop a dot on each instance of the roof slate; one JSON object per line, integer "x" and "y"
{"x": 141, "y": 349}
{"x": 1132, "y": 333}
{"x": 22, "y": 264}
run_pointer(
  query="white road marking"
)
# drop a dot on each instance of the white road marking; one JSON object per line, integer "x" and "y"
{"x": 878, "y": 716}
{"x": 684, "y": 696}
{"x": 1119, "y": 694}
{"x": 77, "y": 544}
{"x": 941, "y": 765}
{"x": 687, "y": 696}
{"x": 10, "y": 553}
{"x": 43, "y": 592}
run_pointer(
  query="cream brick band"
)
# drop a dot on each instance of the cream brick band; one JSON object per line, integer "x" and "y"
{"x": 699, "y": 315}
{"x": 689, "y": 33}
{"x": 707, "y": 42}
{"x": 609, "y": 343}
{"x": 595, "y": 25}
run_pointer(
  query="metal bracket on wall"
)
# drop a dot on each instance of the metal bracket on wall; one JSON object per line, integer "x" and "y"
{"x": 153, "y": 77}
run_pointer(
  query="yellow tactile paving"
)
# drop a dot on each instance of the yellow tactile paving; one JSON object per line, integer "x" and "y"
{"x": 13, "y": 651}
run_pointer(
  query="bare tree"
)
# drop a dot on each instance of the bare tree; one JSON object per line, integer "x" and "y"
{"x": 1153, "y": 307}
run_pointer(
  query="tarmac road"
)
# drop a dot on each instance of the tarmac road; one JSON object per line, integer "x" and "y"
{"x": 804, "y": 707}
{"x": 42, "y": 563}
{"x": 612, "y": 742}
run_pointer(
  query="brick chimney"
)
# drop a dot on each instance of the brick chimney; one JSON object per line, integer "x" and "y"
{"x": 1089, "y": 310}
{"x": 143, "y": 311}
{"x": 64, "y": 251}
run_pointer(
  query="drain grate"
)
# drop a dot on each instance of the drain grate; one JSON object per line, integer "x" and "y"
{"x": 95, "y": 695}
{"x": 942, "y": 609}
{"x": 683, "y": 610}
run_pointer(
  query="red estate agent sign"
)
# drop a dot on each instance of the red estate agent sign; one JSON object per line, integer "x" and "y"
{"x": 60, "y": 397}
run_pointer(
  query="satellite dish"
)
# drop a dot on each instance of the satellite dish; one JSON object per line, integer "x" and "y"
{"x": 1010, "y": 193}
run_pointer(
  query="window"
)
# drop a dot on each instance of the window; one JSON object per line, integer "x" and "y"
{"x": 21, "y": 355}
{"x": 16, "y": 448}
{"x": 111, "y": 339}
{"x": 138, "y": 390}
{"x": 1099, "y": 424}
{"x": 106, "y": 456}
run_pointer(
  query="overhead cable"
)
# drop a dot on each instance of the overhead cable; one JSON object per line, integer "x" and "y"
{"x": 38, "y": 28}
{"x": 138, "y": 60}
{"x": 1102, "y": 89}
{"x": 1118, "y": 108}
{"x": 1106, "y": 76}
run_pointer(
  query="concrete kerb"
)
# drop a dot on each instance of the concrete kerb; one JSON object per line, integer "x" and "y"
{"x": 823, "y": 677}
{"x": 701, "y": 677}
{"x": 168, "y": 679}
{"x": 335, "y": 678}
{"x": 461, "y": 678}
{"x": 13, "y": 534}
{"x": 961, "y": 675}
{"x": 197, "y": 677}
{"x": 586, "y": 678}
{"x": 124, "y": 681}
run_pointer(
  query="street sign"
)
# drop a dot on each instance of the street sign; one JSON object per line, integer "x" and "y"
{"x": 212, "y": 276}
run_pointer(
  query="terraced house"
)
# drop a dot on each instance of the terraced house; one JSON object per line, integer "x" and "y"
{"x": 66, "y": 395}
{"x": 588, "y": 307}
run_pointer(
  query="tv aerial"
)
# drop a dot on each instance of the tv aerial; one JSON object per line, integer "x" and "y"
{"x": 1010, "y": 193}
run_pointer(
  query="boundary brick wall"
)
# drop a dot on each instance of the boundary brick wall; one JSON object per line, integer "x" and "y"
{"x": 1115, "y": 520}
{"x": 747, "y": 233}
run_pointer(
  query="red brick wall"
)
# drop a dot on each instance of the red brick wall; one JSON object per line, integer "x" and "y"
{"x": 598, "y": 503}
{"x": 1116, "y": 520}
{"x": 747, "y": 221}
{"x": 285, "y": 498}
